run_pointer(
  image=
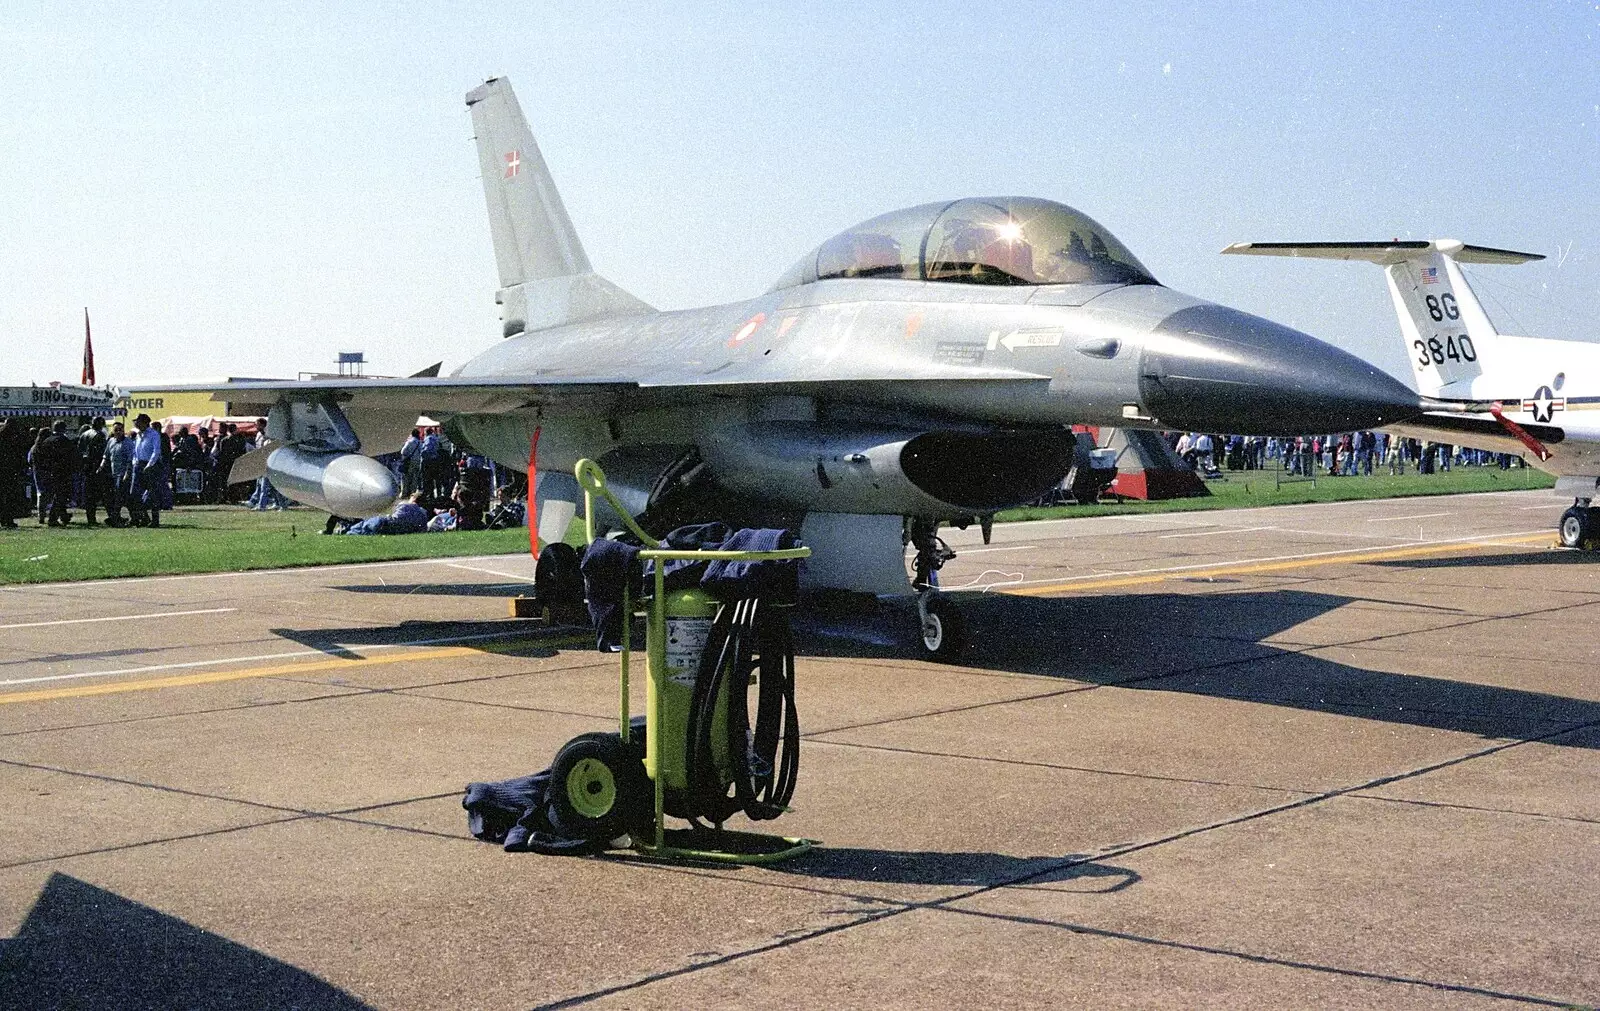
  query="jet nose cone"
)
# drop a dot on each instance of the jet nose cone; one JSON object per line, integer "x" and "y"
{"x": 1211, "y": 368}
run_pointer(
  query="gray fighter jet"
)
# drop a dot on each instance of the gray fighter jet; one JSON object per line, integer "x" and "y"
{"x": 924, "y": 366}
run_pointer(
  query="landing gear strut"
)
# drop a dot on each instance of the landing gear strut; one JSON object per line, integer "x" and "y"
{"x": 944, "y": 631}
{"x": 1579, "y": 525}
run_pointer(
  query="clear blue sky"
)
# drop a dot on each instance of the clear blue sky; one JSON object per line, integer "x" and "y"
{"x": 248, "y": 189}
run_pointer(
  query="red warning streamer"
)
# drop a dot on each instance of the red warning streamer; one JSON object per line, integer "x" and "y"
{"x": 533, "y": 500}
{"x": 1520, "y": 432}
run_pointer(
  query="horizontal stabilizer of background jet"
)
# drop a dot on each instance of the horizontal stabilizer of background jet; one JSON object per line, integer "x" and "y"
{"x": 1383, "y": 252}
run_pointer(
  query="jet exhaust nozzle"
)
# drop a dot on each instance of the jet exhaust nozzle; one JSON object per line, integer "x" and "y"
{"x": 344, "y": 484}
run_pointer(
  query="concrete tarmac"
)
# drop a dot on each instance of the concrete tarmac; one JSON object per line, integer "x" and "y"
{"x": 1329, "y": 755}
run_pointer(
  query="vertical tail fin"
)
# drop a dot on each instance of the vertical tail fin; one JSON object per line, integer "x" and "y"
{"x": 1448, "y": 337}
{"x": 545, "y": 276}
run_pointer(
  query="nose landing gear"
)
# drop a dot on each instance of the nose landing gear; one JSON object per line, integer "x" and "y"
{"x": 944, "y": 630}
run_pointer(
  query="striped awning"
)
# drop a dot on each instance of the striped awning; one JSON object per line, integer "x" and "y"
{"x": 61, "y": 411}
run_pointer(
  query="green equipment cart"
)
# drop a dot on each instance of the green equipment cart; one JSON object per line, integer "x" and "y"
{"x": 676, "y": 720}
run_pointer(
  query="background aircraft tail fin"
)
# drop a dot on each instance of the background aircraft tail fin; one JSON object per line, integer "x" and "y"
{"x": 545, "y": 277}
{"x": 1448, "y": 337}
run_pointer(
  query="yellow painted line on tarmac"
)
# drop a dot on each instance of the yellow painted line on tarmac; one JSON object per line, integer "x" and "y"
{"x": 1256, "y": 568}
{"x": 218, "y": 676}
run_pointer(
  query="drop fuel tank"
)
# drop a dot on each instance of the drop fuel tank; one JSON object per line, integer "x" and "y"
{"x": 345, "y": 484}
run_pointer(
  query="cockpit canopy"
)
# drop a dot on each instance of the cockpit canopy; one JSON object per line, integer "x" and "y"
{"x": 986, "y": 240}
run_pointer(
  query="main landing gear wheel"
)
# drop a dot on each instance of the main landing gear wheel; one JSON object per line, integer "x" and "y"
{"x": 1576, "y": 527}
{"x": 596, "y": 789}
{"x": 944, "y": 630}
{"x": 558, "y": 584}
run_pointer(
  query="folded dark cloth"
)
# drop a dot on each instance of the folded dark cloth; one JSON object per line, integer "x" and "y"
{"x": 520, "y": 814}
{"x": 682, "y": 573}
{"x": 775, "y": 581}
{"x": 493, "y": 809}
{"x": 608, "y": 567}
{"x": 515, "y": 813}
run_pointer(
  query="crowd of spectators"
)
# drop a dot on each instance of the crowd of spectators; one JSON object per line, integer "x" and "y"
{"x": 49, "y": 470}
{"x": 133, "y": 476}
{"x": 1341, "y": 455}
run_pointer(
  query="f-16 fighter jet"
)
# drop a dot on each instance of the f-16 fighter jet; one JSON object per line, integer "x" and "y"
{"x": 924, "y": 366}
{"x": 1528, "y": 395}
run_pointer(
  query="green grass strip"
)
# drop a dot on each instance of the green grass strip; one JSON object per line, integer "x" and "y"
{"x": 195, "y": 539}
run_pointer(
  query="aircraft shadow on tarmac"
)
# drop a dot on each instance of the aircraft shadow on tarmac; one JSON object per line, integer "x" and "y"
{"x": 99, "y": 654}
{"x": 511, "y": 638}
{"x": 1495, "y": 561}
{"x": 1206, "y": 644}
{"x": 501, "y": 590}
{"x": 915, "y": 867}
{"x": 82, "y": 946}
{"x": 1214, "y": 645}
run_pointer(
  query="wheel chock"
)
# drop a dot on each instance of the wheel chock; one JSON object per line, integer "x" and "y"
{"x": 527, "y": 607}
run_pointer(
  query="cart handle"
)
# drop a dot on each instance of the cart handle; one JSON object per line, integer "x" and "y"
{"x": 593, "y": 482}
{"x": 713, "y": 555}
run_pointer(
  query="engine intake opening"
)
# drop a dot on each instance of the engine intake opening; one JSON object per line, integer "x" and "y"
{"x": 983, "y": 472}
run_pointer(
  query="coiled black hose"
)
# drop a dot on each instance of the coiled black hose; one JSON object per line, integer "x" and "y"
{"x": 747, "y": 641}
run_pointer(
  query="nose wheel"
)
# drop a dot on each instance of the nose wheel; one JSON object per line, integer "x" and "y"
{"x": 943, "y": 629}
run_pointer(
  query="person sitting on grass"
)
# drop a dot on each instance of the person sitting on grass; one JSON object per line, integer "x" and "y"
{"x": 443, "y": 521}
{"x": 509, "y": 512}
{"x": 409, "y": 517}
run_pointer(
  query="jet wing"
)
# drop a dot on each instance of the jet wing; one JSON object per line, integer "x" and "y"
{"x": 557, "y": 394}
{"x": 415, "y": 395}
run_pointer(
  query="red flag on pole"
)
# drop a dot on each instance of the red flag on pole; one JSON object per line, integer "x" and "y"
{"x": 88, "y": 351}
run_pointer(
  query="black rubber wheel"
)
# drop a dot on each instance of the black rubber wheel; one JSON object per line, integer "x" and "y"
{"x": 558, "y": 582}
{"x": 944, "y": 630}
{"x": 1574, "y": 527}
{"x": 598, "y": 789}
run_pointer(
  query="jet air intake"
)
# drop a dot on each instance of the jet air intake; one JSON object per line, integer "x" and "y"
{"x": 344, "y": 484}
{"x": 853, "y": 468}
{"x": 1211, "y": 368}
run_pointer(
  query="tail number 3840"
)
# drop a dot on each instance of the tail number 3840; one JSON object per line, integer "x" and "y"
{"x": 1437, "y": 352}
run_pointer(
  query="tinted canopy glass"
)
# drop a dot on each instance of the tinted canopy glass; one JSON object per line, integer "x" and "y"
{"x": 992, "y": 240}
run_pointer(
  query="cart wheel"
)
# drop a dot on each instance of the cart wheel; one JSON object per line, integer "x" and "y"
{"x": 597, "y": 788}
{"x": 944, "y": 630}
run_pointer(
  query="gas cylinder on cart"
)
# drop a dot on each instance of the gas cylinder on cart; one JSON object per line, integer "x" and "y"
{"x": 688, "y": 619}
